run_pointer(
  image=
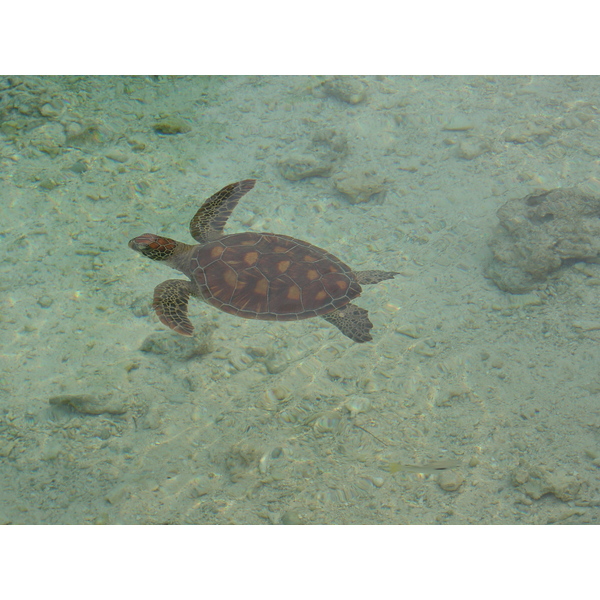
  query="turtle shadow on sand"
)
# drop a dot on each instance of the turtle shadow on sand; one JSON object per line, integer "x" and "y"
{"x": 264, "y": 276}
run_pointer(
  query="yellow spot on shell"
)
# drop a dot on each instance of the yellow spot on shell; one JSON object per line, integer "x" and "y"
{"x": 261, "y": 286}
{"x": 250, "y": 257}
{"x": 282, "y": 265}
{"x": 230, "y": 278}
{"x": 293, "y": 293}
{"x": 216, "y": 251}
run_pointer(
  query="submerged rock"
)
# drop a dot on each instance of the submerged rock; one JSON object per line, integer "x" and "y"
{"x": 302, "y": 166}
{"x": 541, "y": 233}
{"x": 359, "y": 185}
{"x": 347, "y": 89}
{"x": 172, "y": 126}
{"x": 177, "y": 346}
{"x": 91, "y": 405}
{"x": 537, "y": 481}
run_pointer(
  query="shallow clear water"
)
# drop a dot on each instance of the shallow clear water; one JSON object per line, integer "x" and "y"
{"x": 106, "y": 416}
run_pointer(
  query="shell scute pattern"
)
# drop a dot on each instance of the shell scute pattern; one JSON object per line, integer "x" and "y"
{"x": 272, "y": 277}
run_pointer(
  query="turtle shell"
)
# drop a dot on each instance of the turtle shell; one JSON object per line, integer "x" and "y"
{"x": 271, "y": 277}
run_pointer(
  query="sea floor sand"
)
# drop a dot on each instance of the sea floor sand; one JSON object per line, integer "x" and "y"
{"x": 108, "y": 417}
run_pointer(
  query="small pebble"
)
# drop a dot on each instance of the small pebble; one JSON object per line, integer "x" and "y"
{"x": 48, "y": 184}
{"x": 346, "y": 89}
{"x": 592, "y": 453}
{"x": 90, "y": 405}
{"x": 50, "y": 451}
{"x": 587, "y": 325}
{"x": 47, "y": 110}
{"x": 450, "y": 481}
{"x": 458, "y": 123}
{"x": 328, "y": 422}
{"x": 291, "y": 517}
{"x": 357, "y": 406}
{"x": 171, "y": 126}
{"x": 469, "y": 150}
{"x": 117, "y": 155}
{"x": 6, "y": 448}
{"x": 297, "y": 167}
{"x": 424, "y": 349}
{"x": 45, "y": 301}
{"x": 79, "y": 167}
{"x": 117, "y": 494}
{"x": 408, "y": 329}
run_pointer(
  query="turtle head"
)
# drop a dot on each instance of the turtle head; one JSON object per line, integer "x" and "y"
{"x": 154, "y": 246}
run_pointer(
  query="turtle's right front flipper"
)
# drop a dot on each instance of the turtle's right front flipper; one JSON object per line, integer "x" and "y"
{"x": 171, "y": 302}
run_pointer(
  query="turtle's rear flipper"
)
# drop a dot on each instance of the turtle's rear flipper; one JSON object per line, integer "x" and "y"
{"x": 171, "y": 302}
{"x": 370, "y": 277}
{"x": 352, "y": 321}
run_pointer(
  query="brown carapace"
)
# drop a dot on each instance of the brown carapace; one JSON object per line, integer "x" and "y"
{"x": 255, "y": 275}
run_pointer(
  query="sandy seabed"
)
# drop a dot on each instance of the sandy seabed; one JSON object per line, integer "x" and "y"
{"x": 108, "y": 417}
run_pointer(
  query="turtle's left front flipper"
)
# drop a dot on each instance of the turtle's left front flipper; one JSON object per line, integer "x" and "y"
{"x": 171, "y": 302}
{"x": 209, "y": 221}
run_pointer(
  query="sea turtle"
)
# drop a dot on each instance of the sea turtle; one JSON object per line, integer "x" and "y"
{"x": 255, "y": 275}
